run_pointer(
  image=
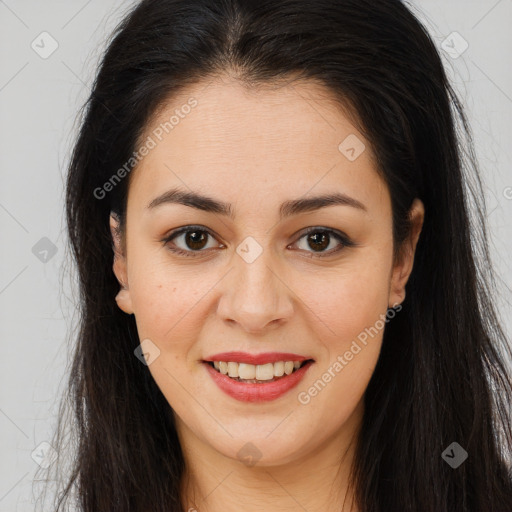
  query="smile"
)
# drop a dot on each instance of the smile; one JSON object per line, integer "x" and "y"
{"x": 257, "y": 383}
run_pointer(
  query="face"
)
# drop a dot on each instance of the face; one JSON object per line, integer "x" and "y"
{"x": 265, "y": 278}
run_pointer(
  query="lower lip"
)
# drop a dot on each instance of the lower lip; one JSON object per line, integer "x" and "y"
{"x": 247, "y": 392}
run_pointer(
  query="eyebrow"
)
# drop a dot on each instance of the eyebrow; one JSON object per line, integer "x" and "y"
{"x": 287, "y": 209}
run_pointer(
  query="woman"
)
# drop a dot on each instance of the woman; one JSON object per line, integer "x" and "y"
{"x": 283, "y": 306}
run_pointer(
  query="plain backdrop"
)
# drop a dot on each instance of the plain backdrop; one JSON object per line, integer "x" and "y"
{"x": 40, "y": 95}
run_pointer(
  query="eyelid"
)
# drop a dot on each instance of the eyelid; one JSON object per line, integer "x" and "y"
{"x": 314, "y": 229}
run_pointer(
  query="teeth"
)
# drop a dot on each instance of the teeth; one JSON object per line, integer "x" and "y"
{"x": 279, "y": 369}
{"x": 264, "y": 371}
{"x": 232, "y": 369}
{"x": 246, "y": 371}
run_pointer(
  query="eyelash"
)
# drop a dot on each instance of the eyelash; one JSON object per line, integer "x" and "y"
{"x": 342, "y": 238}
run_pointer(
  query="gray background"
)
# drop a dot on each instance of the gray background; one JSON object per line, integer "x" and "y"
{"x": 39, "y": 101}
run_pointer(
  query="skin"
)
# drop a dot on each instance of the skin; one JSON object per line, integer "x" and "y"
{"x": 256, "y": 150}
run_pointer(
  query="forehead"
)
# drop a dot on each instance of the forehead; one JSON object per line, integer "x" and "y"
{"x": 219, "y": 136}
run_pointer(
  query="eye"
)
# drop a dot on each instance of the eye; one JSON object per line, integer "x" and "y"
{"x": 320, "y": 239}
{"x": 193, "y": 239}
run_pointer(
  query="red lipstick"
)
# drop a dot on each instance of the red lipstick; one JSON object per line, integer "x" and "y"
{"x": 263, "y": 391}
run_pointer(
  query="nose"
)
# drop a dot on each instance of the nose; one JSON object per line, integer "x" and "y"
{"x": 255, "y": 295}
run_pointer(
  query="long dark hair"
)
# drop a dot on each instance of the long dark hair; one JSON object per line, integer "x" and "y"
{"x": 440, "y": 377}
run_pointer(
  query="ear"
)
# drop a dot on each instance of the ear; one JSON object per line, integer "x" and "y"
{"x": 123, "y": 298}
{"x": 403, "y": 268}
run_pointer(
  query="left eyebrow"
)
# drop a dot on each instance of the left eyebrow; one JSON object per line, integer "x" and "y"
{"x": 194, "y": 200}
{"x": 287, "y": 209}
{"x": 310, "y": 204}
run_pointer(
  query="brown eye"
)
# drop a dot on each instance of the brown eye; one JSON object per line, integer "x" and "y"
{"x": 318, "y": 240}
{"x": 196, "y": 239}
{"x": 189, "y": 240}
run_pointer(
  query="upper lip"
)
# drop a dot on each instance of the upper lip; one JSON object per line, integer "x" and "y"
{"x": 256, "y": 359}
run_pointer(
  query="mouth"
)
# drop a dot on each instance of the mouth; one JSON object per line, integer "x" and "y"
{"x": 275, "y": 376}
{"x": 258, "y": 374}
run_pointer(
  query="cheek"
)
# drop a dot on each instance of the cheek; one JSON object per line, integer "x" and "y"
{"x": 347, "y": 300}
{"x": 166, "y": 303}
{"x": 164, "y": 296}
{"x": 169, "y": 311}
{"x": 348, "y": 309}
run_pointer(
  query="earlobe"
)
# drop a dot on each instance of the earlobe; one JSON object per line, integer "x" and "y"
{"x": 124, "y": 301}
{"x": 119, "y": 267}
{"x": 403, "y": 269}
